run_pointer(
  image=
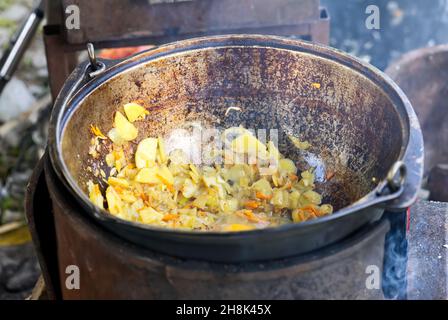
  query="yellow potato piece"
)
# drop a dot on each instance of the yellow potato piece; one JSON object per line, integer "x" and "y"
{"x": 149, "y": 215}
{"x": 326, "y": 209}
{"x": 115, "y": 137}
{"x": 247, "y": 143}
{"x": 194, "y": 174}
{"x": 236, "y": 172}
{"x": 286, "y": 166}
{"x": 201, "y": 201}
{"x": 115, "y": 206}
{"x": 148, "y": 175}
{"x": 128, "y": 197}
{"x": 110, "y": 159}
{"x": 280, "y": 198}
{"x": 307, "y": 178}
{"x": 165, "y": 175}
{"x": 118, "y": 182}
{"x": 263, "y": 186}
{"x": 189, "y": 188}
{"x": 313, "y": 197}
{"x": 135, "y": 111}
{"x": 95, "y": 196}
{"x": 294, "y": 198}
{"x": 126, "y": 130}
{"x": 230, "y": 205}
{"x": 146, "y": 153}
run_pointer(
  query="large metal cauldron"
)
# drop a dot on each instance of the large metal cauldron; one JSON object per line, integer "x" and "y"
{"x": 360, "y": 124}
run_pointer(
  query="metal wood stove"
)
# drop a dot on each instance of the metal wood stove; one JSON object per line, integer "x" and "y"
{"x": 111, "y": 267}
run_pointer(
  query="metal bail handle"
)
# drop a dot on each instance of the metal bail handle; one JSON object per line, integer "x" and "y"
{"x": 395, "y": 179}
{"x": 96, "y": 66}
{"x": 399, "y": 171}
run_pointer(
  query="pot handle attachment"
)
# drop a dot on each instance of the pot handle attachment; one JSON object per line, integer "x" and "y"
{"x": 96, "y": 67}
{"x": 79, "y": 77}
{"x": 85, "y": 72}
{"x": 393, "y": 186}
{"x": 389, "y": 190}
{"x": 413, "y": 159}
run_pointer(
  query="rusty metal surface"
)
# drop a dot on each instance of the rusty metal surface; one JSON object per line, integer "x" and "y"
{"x": 141, "y": 19}
{"x": 111, "y": 268}
{"x": 423, "y": 76}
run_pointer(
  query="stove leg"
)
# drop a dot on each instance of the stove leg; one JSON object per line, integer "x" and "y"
{"x": 394, "y": 280}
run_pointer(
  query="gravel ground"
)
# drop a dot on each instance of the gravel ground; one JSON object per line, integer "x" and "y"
{"x": 19, "y": 271}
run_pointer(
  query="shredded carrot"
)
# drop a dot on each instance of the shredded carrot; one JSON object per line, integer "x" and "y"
{"x": 293, "y": 177}
{"x": 263, "y": 196}
{"x": 165, "y": 182}
{"x": 145, "y": 198}
{"x": 312, "y": 209}
{"x": 249, "y": 215}
{"x": 169, "y": 217}
{"x": 251, "y": 204}
{"x": 97, "y": 132}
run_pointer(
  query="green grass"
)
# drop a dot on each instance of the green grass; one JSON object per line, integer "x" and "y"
{"x": 4, "y": 4}
{"x": 7, "y": 24}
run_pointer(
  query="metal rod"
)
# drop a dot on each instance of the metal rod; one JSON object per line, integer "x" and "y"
{"x": 18, "y": 45}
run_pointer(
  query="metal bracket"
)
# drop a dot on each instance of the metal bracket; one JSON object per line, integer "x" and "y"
{"x": 96, "y": 67}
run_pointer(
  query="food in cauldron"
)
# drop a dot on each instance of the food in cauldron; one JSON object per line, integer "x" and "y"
{"x": 256, "y": 187}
